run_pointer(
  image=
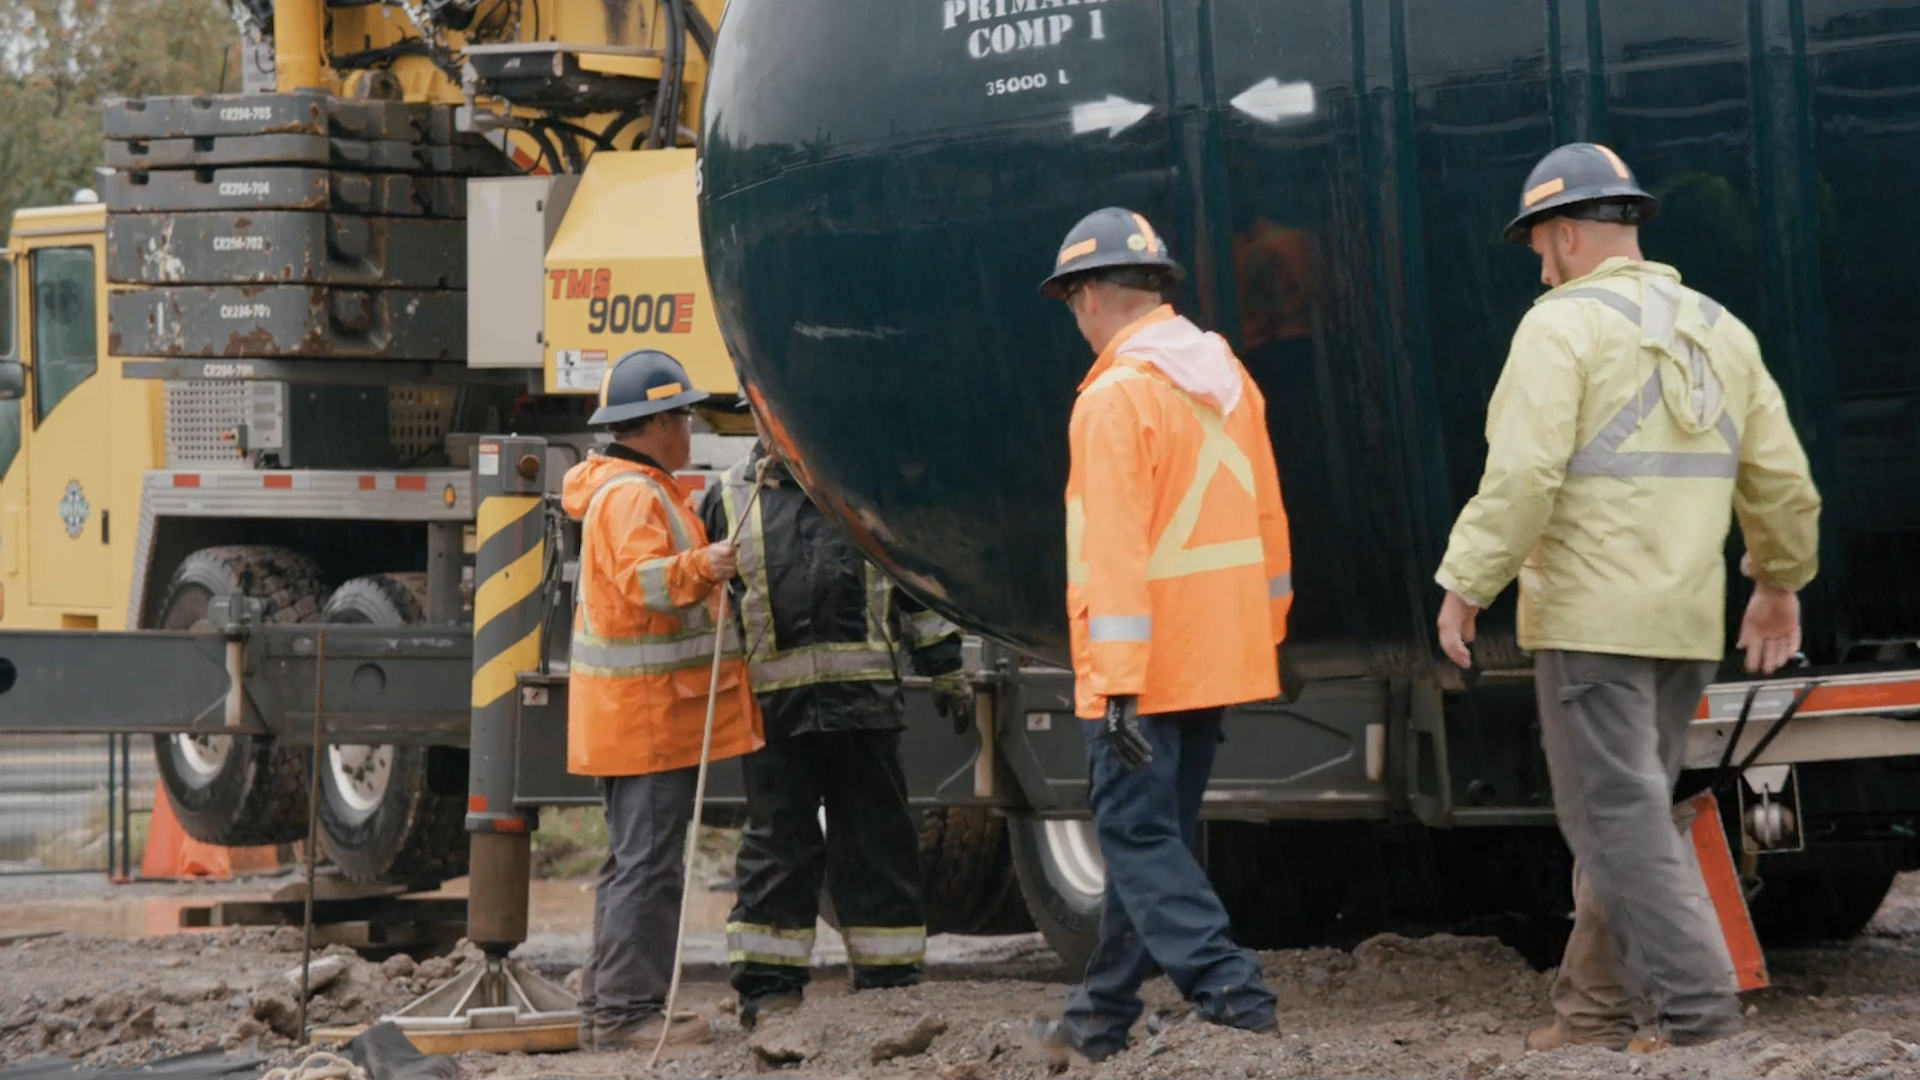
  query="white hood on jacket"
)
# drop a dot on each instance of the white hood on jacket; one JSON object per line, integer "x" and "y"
{"x": 1196, "y": 361}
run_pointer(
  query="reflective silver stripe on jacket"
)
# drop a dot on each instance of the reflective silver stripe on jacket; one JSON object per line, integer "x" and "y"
{"x": 1280, "y": 586}
{"x": 1120, "y": 628}
{"x": 694, "y": 623}
{"x": 770, "y": 668}
{"x": 617, "y": 657}
{"x": 821, "y": 663}
{"x": 882, "y": 946}
{"x": 1602, "y": 455}
{"x": 756, "y": 612}
{"x": 879, "y": 605}
{"x": 654, "y": 590}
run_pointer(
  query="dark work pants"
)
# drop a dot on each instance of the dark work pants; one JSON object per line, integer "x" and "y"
{"x": 1614, "y": 729}
{"x": 636, "y": 901}
{"x": 1161, "y": 911}
{"x": 869, "y": 861}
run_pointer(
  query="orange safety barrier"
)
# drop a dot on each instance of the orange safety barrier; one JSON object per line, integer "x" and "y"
{"x": 172, "y": 855}
{"x": 1723, "y": 888}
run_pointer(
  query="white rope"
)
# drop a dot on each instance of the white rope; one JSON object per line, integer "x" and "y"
{"x": 700, "y": 783}
{"x": 319, "y": 1065}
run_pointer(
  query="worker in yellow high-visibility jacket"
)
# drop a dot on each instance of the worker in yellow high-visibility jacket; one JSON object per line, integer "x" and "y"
{"x": 1633, "y": 421}
{"x": 1179, "y": 580}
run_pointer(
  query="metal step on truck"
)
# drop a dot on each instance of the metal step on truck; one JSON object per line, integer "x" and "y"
{"x": 283, "y": 415}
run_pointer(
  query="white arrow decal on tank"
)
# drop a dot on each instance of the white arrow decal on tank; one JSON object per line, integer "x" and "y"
{"x": 1114, "y": 115}
{"x": 1271, "y": 101}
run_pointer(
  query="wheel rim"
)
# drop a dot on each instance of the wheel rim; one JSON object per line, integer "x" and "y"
{"x": 203, "y": 756}
{"x": 360, "y": 775}
{"x": 1075, "y": 853}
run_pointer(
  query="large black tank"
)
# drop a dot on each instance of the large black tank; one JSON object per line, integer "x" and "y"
{"x": 886, "y": 181}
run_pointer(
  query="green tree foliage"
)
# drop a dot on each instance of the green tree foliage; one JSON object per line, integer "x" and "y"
{"x": 60, "y": 60}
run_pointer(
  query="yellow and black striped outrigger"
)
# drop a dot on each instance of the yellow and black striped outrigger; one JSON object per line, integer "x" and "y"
{"x": 509, "y": 569}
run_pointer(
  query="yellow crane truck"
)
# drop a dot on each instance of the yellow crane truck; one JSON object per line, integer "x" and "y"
{"x": 258, "y": 360}
{"x": 260, "y": 385}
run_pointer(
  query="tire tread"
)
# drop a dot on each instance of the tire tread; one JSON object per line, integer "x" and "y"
{"x": 272, "y": 808}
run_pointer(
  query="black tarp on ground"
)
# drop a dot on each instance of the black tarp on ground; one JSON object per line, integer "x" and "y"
{"x": 212, "y": 1062}
{"x": 382, "y": 1050}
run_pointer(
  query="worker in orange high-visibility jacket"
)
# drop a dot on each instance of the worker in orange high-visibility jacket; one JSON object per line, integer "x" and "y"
{"x": 1179, "y": 581}
{"x": 638, "y": 675}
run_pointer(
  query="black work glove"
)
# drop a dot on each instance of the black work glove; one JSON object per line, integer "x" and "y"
{"x": 1122, "y": 734}
{"x": 953, "y": 696}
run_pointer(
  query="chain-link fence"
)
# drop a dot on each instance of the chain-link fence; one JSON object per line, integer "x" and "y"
{"x": 74, "y": 802}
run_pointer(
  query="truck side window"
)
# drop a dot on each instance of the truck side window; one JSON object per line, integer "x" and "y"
{"x": 9, "y": 410}
{"x": 6, "y": 308}
{"x": 65, "y": 345}
{"x": 9, "y": 435}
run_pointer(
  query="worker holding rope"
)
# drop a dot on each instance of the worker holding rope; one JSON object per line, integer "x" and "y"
{"x": 644, "y": 675}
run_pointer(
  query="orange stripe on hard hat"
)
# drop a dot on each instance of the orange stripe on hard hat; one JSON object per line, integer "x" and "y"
{"x": 1552, "y": 187}
{"x": 1614, "y": 159}
{"x": 665, "y": 390}
{"x": 1146, "y": 233}
{"x": 1074, "y": 251}
{"x": 606, "y": 381}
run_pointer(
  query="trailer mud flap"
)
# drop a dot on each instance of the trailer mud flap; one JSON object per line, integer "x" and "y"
{"x": 1700, "y": 817}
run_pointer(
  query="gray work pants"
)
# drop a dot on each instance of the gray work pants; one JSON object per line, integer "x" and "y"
{"x": 636, "y": 901}
{"x": 1614, "y": 729}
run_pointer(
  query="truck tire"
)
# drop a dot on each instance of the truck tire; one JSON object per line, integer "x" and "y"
{"x": 1810, "y": 906}
{"x": 380, "y": 820}
{"x": 1063, "y": 880}
{"x": 237, "y": 790}
{"x": 970, "y": 885}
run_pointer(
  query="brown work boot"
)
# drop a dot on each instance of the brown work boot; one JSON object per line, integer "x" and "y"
{"x": 1557, "y": 1035}
{"x": 583, "y": 1032}
{"x": 688, "y": 1029}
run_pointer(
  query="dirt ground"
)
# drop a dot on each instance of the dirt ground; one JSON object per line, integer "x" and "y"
{"x": 1434, "y": 1007}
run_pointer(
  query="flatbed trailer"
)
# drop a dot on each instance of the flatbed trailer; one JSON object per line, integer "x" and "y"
{"x": 1360, "y": 803}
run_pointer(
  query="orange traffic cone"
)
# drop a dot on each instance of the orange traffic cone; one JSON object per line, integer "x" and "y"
{"x": 172, "y": 855}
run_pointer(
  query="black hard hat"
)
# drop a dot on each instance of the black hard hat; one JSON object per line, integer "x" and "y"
{"x": 1109, "y": 239}
{"x": 641, "y": 384}
{"x": 1584, "y": 180}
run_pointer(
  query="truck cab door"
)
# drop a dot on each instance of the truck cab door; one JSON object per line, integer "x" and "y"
{"x": 68, "y": 410}
{"x": 13, "y": 482}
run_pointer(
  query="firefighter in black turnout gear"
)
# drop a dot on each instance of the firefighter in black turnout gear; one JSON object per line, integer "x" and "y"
{"x": 828, "y": 636}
